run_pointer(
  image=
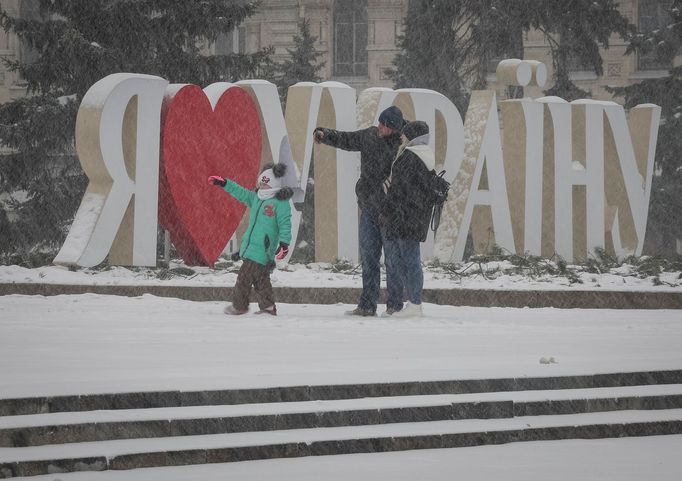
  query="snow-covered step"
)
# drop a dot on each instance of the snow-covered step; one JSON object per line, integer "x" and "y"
{"x": 94, "y": 431}
{"x": 137, "y": 453}
{"x": 332, "y": 405}
{"x": 54, "y": 428}
{"x": 157, "y": 399}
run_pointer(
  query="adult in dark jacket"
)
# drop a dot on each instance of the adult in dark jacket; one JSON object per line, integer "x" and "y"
{"x": 378, "y": 147}
{"x": 407, "y": 211}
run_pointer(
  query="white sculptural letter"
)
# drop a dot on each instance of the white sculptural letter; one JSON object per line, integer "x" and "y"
{"x": 332, "y": 105}
{"x": 117, "y": 132}
{"x": 482, "y": 148}
{"x": 523, "y": 163}
{"x": 629, "y": 164}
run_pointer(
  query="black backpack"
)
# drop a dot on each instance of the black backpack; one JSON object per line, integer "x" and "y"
{"x": 438, "y": 194}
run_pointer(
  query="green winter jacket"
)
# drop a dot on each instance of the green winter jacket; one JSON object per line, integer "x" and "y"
{"x": 269, "y": 222}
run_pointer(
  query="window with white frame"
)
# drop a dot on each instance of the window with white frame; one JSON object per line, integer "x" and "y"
{"x": 233, "y": 42}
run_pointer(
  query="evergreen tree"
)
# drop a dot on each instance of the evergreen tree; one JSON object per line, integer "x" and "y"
{"x": 75, "y": 44}
{"x": 430, "y": 52}
{"x": 496, "y": 29}
{"x": 665, "y": 207}
{"x": 303, "y": 64}
{"x": 448, "y": 45}
{"x": 576, "y": 30}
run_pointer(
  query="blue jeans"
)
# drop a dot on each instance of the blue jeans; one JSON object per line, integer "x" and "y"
{"x": 371, "y": 241}
{"x": 406, "y": 257}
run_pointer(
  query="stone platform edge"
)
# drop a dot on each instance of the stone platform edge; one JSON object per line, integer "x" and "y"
{"x": 565, "y": 299}
{"x": 305, "y": 393}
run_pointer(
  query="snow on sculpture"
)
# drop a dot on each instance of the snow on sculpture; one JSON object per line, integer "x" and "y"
{"x": 471, "y": 203}
{"x": 117, "y": 133}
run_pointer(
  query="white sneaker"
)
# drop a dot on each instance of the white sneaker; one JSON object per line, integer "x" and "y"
{"x": 410, "y": 310}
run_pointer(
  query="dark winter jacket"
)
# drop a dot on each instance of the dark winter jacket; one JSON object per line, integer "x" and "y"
{"x": 376, "y": 155}
{"x": 407, "y": 212}
{"x": 269, "y": 222}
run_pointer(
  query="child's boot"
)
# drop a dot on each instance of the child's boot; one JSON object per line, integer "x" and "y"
{"x": 230, "y": 310}
{"x": 272, "y": 310}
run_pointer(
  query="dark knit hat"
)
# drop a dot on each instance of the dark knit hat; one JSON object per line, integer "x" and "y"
{"x": 415, "y": 129}
{"x": 392, "y": 117}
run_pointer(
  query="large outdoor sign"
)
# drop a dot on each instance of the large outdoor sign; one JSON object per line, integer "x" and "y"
{"x": 559, "y": 178}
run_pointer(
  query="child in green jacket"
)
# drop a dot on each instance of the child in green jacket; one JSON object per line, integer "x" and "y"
{"x": 266, "y": 239}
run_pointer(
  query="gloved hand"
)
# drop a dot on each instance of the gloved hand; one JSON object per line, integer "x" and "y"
{"x": 319, "y": 134}
{"x": 217, "y": 180}
{"x": 282, "y": 251}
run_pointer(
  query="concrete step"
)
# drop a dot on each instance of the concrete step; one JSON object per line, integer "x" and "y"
{"x": 175, "y": 451}
{"x": 69, "y": 433}
{"x": 78, "y": 417}
{"x": 60, "y": 428}
{"x": 158, "y": 399}
{"x": 575, "y": 298}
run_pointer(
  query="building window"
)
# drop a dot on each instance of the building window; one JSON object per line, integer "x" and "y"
{"x": 652, "y": 15}
{"x": 4, "y": 41}
{"x": 350, "y": 38}
{"x": 233, "y": 42}
{"x": 578, "y": 64}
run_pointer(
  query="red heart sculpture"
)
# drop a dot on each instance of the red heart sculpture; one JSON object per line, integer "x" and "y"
{"x": 198, "y": 141}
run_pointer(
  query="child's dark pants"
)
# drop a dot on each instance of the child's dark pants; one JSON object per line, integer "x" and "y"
{"x": 256, "y": 275}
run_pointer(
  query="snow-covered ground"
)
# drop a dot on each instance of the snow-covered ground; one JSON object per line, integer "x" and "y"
{"x": 655, "y": 458}
{"x": 492, "y": 275}
{"x": 93, "y": 344}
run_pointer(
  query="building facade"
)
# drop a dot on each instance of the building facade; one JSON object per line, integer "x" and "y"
{"x": 11, "y": 84}
{"x": 358, "y": 40}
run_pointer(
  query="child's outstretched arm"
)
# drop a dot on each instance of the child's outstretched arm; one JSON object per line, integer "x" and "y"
{"x": 245, "y": 196}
